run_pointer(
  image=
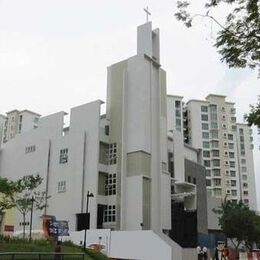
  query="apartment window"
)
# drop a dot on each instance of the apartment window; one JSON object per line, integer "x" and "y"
{"x": 232, "y": 110}
{"x": 36, "y": 120}
{"x": 208, "y": 183}
{"x": 213, "y": 108}
{"x": 207, "y": 163}
{"x": 178, "y": 122}
{"x": 204, "y": 117}
{"x": 215, "y": 153}
{"x": 64, "y": 155}
{"x": 206, "y": 153}
{"x": 245, "y": 192}
{"x": 20, "y": 118}
{"x": 233, "y": 183}
{"x": 213, "y": 116}
{"x": 214, "y": 125}
{"x": 245, "y": 185}
{"x": 233, "y": 119}
{"x": 216, "y": 162}
{"x": 216, "y": 172}
{"x": 214, "y": 134}
{"x": 177, "y": 104}
{"x": 230, "y": 137}
{"x": 241, "y": 131}
{"x": 106, "y": 129}
{"x": 223, "y": 109}
{"x": 231, "y": 154}
{"x": 217, "y": 182}
{"x": 205, "y": 135}
{"x": 242, "y": 139}
{"x": 242, "y": 146}
{"x": 208, "y": 173}
{"x": 61, "y": 186}
{"x": 205, "y": 126}
{"x": 112, "y": 153}
{"x": 218, "y": 192}
{"x": 214, "y": 144}
{"x": 233, "y": 173}
{"x": 244, "y": 177}
{"x": 234, "y": 192}
{"x": 110, "y": 184}
{"x": 243, "y": 169}
{"x": 231, "y": 146}
{"x": 232, "y": 164}
{"x": 110, "y": 213}
{"x": 243, "y": 161}
{"x": 30, "y": 149}
{"x": 204, "y": 109}
{"x": 234, "y": 128}
{"x": 242, "y": 152}
{"x": 205, "y": 144}
{"x": 189, "y": 179}
{"x": 178, "y": 112}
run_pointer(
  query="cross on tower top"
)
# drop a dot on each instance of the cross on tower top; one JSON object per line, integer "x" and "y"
{"x": 147, "y": 14}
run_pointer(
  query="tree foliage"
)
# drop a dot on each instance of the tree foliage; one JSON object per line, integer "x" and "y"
{"x": 253, "y": 118}
{"x": 238, "y": 40}
{"x": 239, "y": 223}
{"x": 7, "y": 191}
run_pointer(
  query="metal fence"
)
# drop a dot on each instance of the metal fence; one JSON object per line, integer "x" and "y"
{"x": 41, "y": 256}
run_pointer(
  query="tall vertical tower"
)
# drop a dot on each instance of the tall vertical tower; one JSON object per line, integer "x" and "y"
{"x": 136, "y": 109}
{"x": 227, "y": 149}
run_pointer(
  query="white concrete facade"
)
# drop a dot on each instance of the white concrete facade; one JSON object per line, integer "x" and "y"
{"x": 212, "y": 126}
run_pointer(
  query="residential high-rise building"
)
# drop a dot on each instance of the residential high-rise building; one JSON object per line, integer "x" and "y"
{"x": 17, "y": 122}
{"x": 211, "y": 125}
{"x": 2, "y": 127}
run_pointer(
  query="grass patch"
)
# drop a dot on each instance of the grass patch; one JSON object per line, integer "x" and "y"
{"x": 22, "y": 245}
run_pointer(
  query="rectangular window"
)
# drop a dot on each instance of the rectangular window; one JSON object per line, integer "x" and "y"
{"x": 214, "y": 134}
{"x": 231, "y": 154}
{"x": 110, "y": 213}
{"x": 241, "y": 131}
{"x": 244, "y": 177}
{"x": 205, "y": 135}
{"x": 232, "y": 164}
{"x": 213, "y": 108}
{"x": 213, "y": 117}
{"x": 230, "y": 137}
{"x": 215, "y": 153}
{"x": 245, "y": 192}
{"x": 242, "y": 139}
{"x": 243, "y": 169}
{"x": 216, "y": 172}
{"x": 208, "y": 173}
{"x": 233, "y": 183}
{"x": 206, "y": 153}
{"x": 207, "y": 163}
{"x": 233, "y": 173}
{"x": 112, "y": 153}
{"x": 245, "y": 185}
{"x": 204, "y": 117}
{"x": 64, "y": 155}
{"x": 214, "y": 144}
{"x": 217, "y": 182}
{"x": 205, "y": 126}
{"x": 30, "y": 149}
{"x": 234, "y": 128}
{"x": 233, "y": 192}
{"x": 178, "y": 122}
{"x": 218, "y": 192}
{"x": 214, "y": 125}
{"x": 178, "y": 112}
{"x": 110, "y": 184}
{"x": 61, "y": 186}
{"x": 205, "y": 144}
{"x": 204, "y": 109}
{"x": 243, "y": 161}
{"x": 216, "y": 162}
{"x": 177, "y": 104}
{"x": 208, "y": 183}
{"x": 231, "y": 146}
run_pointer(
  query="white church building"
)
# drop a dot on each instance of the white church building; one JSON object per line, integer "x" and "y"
{"x": 135, "y": 164}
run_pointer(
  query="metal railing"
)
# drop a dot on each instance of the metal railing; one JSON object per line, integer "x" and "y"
{"x": 40, "y": 256}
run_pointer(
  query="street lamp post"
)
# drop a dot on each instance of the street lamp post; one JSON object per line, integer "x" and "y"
{"x": 31, "y": 219}
{"x": 89, "y": 195}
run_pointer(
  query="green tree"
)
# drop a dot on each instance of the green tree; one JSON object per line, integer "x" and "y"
{"x": 28, "y": 196}
{"x": 253, "y": 118}
{"x": 238, "y": 39}
{"x": 7, "y": 191}
{"x": 239, "y": 223}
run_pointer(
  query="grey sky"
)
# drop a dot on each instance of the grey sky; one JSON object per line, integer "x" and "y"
{"x": 54, "y": 54}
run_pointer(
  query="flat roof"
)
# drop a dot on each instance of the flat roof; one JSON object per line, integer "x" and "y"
{"x": 197, "y": 100}
{"x": 215, "y": 95}
{"x": 175, "y": 96}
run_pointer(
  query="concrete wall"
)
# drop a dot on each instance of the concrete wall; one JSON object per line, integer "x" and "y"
{"x": 197, "y": 174}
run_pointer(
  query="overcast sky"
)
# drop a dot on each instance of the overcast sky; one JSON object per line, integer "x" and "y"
{"x": 54, "y": 54}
